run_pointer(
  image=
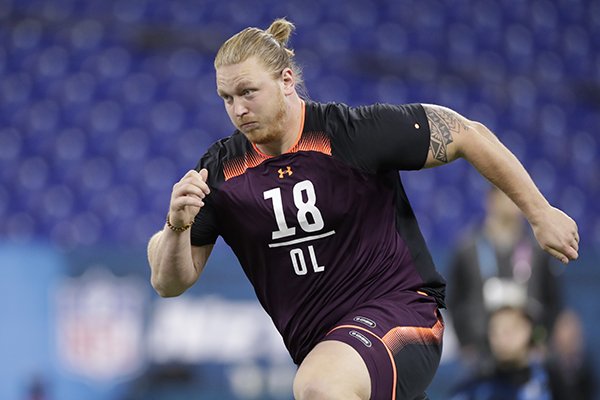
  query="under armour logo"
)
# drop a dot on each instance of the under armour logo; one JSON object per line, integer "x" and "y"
{"x": 282, "y": 172}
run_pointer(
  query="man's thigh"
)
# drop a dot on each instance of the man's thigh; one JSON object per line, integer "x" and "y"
{"x": 332, "y": 370}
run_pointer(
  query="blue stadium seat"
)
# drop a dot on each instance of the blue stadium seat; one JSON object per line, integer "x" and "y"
{"x": 11, "y": 151}
{"x": 364, "y": 15}
{"x": 159, "y": 173}
{"x": 332, "y": 38}
{"x": 185, "y": 63}
{"x": 390, "y": 38}
{"x": 518, "y": 42}
{"x": 19, "y": 227}
{"x": 57, "y": 202}
{"x": 53, "y": 62}
{"x": 573, "y": 201}
{"x": 577, "y": 50}
{"x": 5, "y": 201}
{"x": 6, "y": 9}
{"x": 85, "y": 228}
{"x": 87, "y": 35}
{"x": 130, "y": 11}
{"x": 545, "y": 176}
{"x": 132, "y": 145}
{"x": 11, "y": 144}
{"x": 27, "y": 34}
{"x": 114, "y": 62}
{"x": 78, "y": 88}
{"x": 32, "y": 173}
{"x": 553, "y": 123}
{"x": 105, "y": 118}
{"x": 388, "y": 89}
{"x": 43, "y": 117}
{"x": 462, "y": 45}
{"x": 4, "y": 67}
{"x": 70, "y": 149}
{"x": 492, "y": 66}
{"x": 139, "y": 88}
{"x": 57, "y": 11}
{"x": 166, "y": 118}
{"x": 95, "y": 175}
{"x": 189, "y": 146}
{"x": 549, "y": 69}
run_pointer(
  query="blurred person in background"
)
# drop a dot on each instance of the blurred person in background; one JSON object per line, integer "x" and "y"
{"x": 309, "y": 198}
{"x": 38, "y": 389}
{"x": 571, "y": 369}
{"x": 512, "y": 372}
{"x": 497, "y": 263}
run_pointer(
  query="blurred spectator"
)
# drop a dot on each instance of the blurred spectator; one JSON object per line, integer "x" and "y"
{"x": 570, "y": 366}
{"x": 37, "y": 389}
{"x": 499, "y": 263}
{"x": 512, "y": 372}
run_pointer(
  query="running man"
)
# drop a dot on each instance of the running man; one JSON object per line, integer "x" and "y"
{"x": 309, "y": 198}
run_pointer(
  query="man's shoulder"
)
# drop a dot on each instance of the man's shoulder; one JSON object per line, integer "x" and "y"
{"x": 326, "y": 110}
{"x": 331, "y": 118}
{"x": 217, "y": 155}
{"x": 228, "y": 147}
{"x": 333, "y": 111}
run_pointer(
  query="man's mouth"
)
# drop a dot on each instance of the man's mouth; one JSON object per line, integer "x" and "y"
{"x": 249, "y": 125}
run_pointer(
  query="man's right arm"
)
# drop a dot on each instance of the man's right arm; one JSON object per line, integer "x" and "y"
{"x": 454, "y": 136}
{"x": 175, "y": 264}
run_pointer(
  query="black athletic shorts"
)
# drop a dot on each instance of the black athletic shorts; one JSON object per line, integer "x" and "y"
{"x": 400, "y": 339}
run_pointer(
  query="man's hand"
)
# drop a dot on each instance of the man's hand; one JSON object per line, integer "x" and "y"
{"x": 556, "y": 233}
{"x": 187, "y": 197}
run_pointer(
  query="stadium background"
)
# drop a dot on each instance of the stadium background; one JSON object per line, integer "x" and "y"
{"x": 105, "y": 104}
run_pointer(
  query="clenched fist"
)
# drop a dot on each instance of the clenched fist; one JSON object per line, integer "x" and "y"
{"x": 187, "y": 197}
{"x": 557, "y": 233}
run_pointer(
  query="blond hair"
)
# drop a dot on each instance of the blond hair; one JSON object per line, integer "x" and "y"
{"x": 267, "y": 46}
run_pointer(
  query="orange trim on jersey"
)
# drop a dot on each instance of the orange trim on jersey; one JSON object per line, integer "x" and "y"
{"x": 237, "y": 166}
{"x": 301, "y": 127}
{"x": 314, "y": 141}
{"x": 394, "y": 372}
{"x": 297, "y": 137}
{"x": 402, "y": 336}
{"x": 306, "y": 141}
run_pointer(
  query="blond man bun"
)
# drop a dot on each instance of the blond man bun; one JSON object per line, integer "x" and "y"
{"x": 268, "y": 46}
{"x": 281, "y": 29}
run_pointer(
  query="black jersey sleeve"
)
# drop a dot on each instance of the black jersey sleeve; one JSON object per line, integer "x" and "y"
{"x": 381, "y": 137}
{"x": 204, "y": 230}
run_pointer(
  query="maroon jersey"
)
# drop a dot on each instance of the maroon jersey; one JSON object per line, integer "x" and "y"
{"x": 326, "y": 226}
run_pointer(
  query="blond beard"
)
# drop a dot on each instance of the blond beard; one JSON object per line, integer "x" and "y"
{"x": 273, "y": 129}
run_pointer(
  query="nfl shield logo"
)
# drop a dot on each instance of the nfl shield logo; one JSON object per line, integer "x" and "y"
{"x": 100, "y": 325}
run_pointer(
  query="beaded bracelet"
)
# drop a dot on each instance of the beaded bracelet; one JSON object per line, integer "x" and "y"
{"x": 178, "y": 229}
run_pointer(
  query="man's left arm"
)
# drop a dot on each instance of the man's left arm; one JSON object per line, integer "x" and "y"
{"x": 454, "y": 136}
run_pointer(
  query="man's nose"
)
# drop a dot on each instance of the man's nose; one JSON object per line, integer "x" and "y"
{"x": 239, "y": 108}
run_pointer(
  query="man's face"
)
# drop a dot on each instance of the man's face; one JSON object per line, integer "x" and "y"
{"x": 509, "y": 335}
{"x": 253, "y": 99}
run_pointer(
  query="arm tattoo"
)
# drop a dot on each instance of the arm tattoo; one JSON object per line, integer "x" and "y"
{"x": 443, "y": 126}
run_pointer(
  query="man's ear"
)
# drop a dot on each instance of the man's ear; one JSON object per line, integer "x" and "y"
{"x": 289, "y": 81}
